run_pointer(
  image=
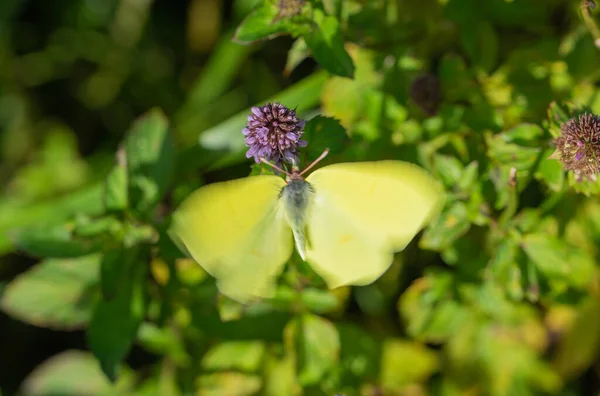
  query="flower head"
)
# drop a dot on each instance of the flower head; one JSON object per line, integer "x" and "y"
{"x": 273, "y": 132}
{"x": 578, "y": 146}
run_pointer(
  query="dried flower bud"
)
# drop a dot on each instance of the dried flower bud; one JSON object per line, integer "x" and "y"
{"x": 273, "y": 132}
{"x": 425, "y": 92}
{"x": 578, "y": 147}
{"x": 289, "y": 8}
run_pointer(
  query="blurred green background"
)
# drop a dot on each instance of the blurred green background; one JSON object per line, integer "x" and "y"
{"x": 112, "y": 111}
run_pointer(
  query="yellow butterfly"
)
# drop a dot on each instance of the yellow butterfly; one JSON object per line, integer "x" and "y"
{"x": 347, "y": 220}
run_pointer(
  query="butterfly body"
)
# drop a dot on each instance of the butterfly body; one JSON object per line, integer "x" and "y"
{"x": 346, "y": 220}
{"x": 296, "y": 198}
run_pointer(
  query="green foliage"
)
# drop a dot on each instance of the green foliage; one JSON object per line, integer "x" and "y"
{"x": 498, "y": 295}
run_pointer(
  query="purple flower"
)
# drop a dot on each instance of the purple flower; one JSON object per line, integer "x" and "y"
{"x": 273, "y": 132}
{"x": 578, "y": 147}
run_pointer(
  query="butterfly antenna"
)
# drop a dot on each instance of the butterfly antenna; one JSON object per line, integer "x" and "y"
{"x": 315, "y": 162}
{"x": 274, "y": 166}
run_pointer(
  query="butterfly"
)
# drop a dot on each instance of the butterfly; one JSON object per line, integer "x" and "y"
{"x": 346, "y": 220}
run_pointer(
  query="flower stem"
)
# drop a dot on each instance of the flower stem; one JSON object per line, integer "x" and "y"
{"x": 586, "y": 13}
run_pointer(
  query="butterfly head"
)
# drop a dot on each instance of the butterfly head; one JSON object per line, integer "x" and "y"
{"x": 295, "y": 174}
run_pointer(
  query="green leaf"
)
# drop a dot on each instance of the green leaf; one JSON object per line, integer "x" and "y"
{"x": 557, "y": 260}
{"x": 558, "y": 113}
{"x": 456, "y": 80}
{"x": 87, "y": 227}
{"x": 245, "y": 356}
{"x": 551, "y": 172}
{"x": 280, "y": 375}
{"x": 405, "y": 362}
{"x": 548, "y": 253}
{"x": 114, "y": 324}
{"x": 263, "y": 23}
{"x": 114, "y": 268}
{"x": 449, "y": 169}
{"x": 298, "y": 53}
{"x": 87, "y": 201}
{"x": 429, "y": 310}
{"x": 323, "y": 132}
{"x": 481, "y": 44}
{"x": 468, "y": 180}
{"x": 317, "y": 346}
{"x": 447, "y": 228}
{"x": 228, "y": 383}
{"x": 72, "y": 373}
{"x": 578, "y": 348}
{"x": 163, "y": 341}
{"x": 326, "y": 43}
{"x": 56, "y": 293}
{"x": 505, "y": 269}
{"x": 56, "y": 242}
{"x": 116, "y": 197}
{"x": 320, "y": 301}
{"x": 150, "y": 160}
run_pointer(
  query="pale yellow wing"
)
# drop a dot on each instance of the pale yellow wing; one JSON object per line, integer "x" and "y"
{"x": 364, "y": 212}
{"x": 237, "y": 232}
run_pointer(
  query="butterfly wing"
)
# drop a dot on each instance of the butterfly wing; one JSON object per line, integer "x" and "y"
{"x": 364, "y": 212}
{"x": 237, "y": 232}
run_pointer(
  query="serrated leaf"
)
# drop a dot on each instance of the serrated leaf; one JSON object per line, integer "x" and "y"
{"x": 323, "y": 132}
{"x": 114, "y": 323}
{"x": 150, "y": 160}
{"x": 56, "y": 293}
{"x": 326, "y": 43}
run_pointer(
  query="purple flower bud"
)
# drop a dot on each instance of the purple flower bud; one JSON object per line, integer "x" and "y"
{"x": 273, "y": 132}
{"x": 578, "y": 147}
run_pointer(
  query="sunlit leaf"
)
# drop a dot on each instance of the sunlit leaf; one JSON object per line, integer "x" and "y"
{"x": 114, "y": 323}
{"x": 235, "y": 355}
{"x": 58, "y": 294}
{"x": 71, "y": 373}
{"x": 150, "y": 160}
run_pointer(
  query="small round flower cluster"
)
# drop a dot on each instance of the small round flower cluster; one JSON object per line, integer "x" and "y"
{"x": 578, "y": 147}
{"x": 274, "y": 132}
